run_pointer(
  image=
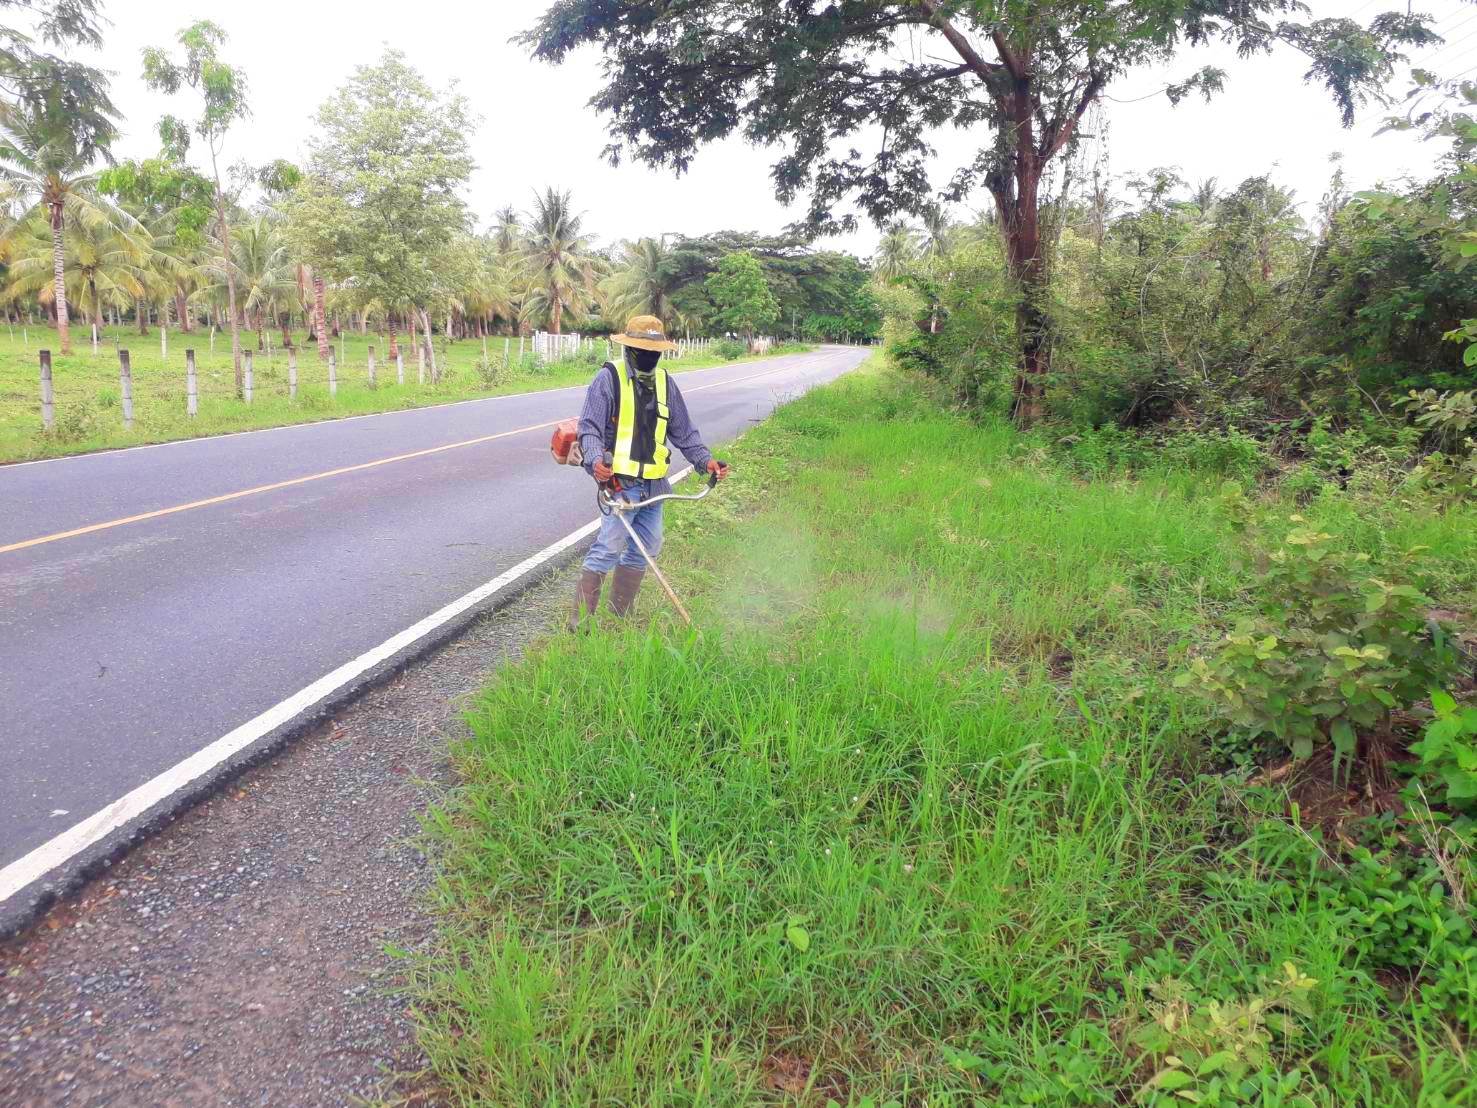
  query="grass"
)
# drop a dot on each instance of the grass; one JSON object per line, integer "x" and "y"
{"x": 914, "y": 817}
{"x": 89, "y": 412}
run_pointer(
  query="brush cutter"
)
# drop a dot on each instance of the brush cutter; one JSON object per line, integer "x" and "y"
{"x": 621, "y": 508}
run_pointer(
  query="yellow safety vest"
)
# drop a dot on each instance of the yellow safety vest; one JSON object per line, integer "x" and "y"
{"x": 634, "y": 455}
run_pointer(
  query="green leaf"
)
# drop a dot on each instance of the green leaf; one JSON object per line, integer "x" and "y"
{"x": 798, "y": 936}
{"x": 1169, "y": 1080}
{"x": 1215, "y": 1062}
{"x": 1443, "y": 702}
{"x": 1344, "y": 739}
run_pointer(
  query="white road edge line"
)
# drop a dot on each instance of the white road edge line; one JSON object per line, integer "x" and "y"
{"x": 49, "y": 855}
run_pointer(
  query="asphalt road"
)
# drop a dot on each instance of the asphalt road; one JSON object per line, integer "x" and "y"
{"x": 126, "y": 649}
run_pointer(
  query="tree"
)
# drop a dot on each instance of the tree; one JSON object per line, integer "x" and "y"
{"x": 41, "y": 83}
{"x": 176, "y": 204}
{"x": 379, "y": 205}
{"x": 561, "y": 263}
{"x": 649, "y": 274}
{"x": 507, "y": 231}
{"x": 679, "y": 76}
{"x": 743, "y": 298}
{"x": 264, "y": 272}
{"x": 897, "y": 250}
{"x": 222, "y": 90}
{"x": 105, "y": 263}
{"x": 41, "y": 158}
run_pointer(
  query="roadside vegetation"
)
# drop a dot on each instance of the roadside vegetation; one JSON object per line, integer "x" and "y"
{"x": 371, "y": 235}
{"x": 939, "y": 803}
{"x": 88, "y": 400}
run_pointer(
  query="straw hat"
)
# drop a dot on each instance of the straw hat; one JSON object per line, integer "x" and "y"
{"x": 645, "y": 332}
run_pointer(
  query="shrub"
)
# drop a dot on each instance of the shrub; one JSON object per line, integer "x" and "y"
{"x": 1331, "y": 652}
{"x": 1448, "y": 754}
{"x": 1214, "y": 1053}
{"x": 729, "y": 349}
{"x": 1403, "y": 909}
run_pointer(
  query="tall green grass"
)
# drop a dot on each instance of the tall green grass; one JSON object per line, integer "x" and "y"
{"x": 913, "y": 816}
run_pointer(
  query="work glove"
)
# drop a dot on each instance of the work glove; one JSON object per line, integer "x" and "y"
{"x": 717, "y": 469}
{"x": 602, "y": 472}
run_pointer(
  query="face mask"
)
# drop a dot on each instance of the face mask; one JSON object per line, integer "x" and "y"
{"x": 643, "y": 363}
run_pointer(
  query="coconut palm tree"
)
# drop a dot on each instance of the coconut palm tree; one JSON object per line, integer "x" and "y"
{"x": 41, "y": 159}
{"x": 507, "y": 230}
{"x": 940, "y": 234}
{"x": 561, "y": 265}
{"x": 105, "y": 265}
{"x": 264, "y": 271}
{"x": 487, "y": 288}
{"x": 648, "y": 275}
{"x": 896, "y": 252}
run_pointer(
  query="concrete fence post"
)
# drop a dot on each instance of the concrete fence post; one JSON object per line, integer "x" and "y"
{"x": 94, "y": 340}
{"x": 371, "y": 367}
{"x": 125, "y": 388}
{"x": 192, "y": 386}
{"x": 292, "y": 373}
{"x": 332, "y": 373}
{"x": 246, "y": 381}
{"x": 399, "y": 367}
{"x": 48, "y": 402}
{"x": 420, "y": 363}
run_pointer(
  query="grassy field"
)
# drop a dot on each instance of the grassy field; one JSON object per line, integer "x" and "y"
{"x": 916, "y": 816}
{"x": 88, "y": 409}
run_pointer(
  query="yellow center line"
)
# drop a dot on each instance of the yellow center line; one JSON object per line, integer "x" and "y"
{"x": 58, "y": 536}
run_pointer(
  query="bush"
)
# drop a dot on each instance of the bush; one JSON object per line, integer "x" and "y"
{"x": 729, "y": 349}
{"x": 1208, "y": 1052}
{"x": 1403, "y": 910}
{"x": 1331, "y": 652}
{"x": 1448, "y": 754}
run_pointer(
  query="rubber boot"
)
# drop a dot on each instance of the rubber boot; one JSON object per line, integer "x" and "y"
{"x": 587, "y": 597}
{"x": 623, "y": 588}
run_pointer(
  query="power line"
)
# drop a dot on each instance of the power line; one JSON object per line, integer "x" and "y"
{"x": 1449, "y": 43}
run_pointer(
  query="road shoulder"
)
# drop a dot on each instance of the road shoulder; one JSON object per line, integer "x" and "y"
{"x": 240, "y": 955}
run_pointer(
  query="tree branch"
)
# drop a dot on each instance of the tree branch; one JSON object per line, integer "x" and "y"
{"x": 1060, "y": 132}
{"x": 1013, "y": 62}
{"x": 988, "y": 72}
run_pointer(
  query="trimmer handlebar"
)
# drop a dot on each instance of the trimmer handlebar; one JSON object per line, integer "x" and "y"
{"x": 609, "y": 503}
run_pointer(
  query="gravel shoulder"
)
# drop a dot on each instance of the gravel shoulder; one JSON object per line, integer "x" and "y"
{"x": 239, "y": 956}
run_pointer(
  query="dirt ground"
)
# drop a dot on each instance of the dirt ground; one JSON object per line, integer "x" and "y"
{"x": 240, "y": 956}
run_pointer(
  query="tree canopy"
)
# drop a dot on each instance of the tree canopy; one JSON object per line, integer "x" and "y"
{"x": 380, "y": 202}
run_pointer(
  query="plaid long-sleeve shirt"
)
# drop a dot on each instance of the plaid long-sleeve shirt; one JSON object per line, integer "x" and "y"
{"x": 597, "y": 432}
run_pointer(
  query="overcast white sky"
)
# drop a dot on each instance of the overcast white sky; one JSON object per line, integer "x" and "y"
{"x": 537, "y": 129}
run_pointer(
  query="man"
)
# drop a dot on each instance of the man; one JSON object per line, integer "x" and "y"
{"x": 632, "y": 413}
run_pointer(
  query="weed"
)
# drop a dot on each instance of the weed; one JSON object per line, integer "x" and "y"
{"x": 908, "y": 817}
{"x": 1333, "y": 650}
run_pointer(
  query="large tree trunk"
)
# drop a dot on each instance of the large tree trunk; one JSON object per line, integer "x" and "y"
{"x": 182, "y": 310}
{"x": 141, "y": 311}
{"x": 394, "y": 339}
{"x": 556, "y": 316}
{"x": 1017, "y": 199}
{"x": 286, "y": 320}
{"x": 59, "y": 279}
{"x": 320, "y": 321}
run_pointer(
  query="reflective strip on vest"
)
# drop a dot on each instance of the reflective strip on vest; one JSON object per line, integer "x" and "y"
{"x": 625, "y": 430}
